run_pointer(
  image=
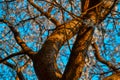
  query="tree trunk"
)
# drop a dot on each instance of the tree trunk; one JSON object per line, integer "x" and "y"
{"x": 46, "y": 68}
{"x": 45, "y": 61}
{"x": 76, "y": 61}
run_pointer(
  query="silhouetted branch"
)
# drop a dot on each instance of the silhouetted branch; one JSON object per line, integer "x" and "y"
{"x": 23, "y": 21}
{"x": 5, "y": 35}
{"x": 8, "y": 64}
{"x": 7, "y": 1}
{"x": 12, "y": 55}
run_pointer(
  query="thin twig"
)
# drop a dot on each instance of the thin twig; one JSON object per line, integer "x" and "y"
{"x": 46, "y": 14}
{"x": 12, "y": 55}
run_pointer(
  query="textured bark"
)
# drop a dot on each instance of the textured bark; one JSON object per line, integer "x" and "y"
{"x": 115, "y": 76}
{"x": 76, "y": 61}
{"x": 46, "y": 68}
{"x": 45, "y": 61}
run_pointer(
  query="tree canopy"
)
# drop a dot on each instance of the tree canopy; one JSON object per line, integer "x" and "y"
{"x": 59, "y": 39}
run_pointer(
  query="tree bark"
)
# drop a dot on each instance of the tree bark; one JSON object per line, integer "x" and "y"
{"x": 44, "y": 61}
{"x": 76, "y": 61}
{"x": 115, "y": 76}
{"x": 46, "y": 68}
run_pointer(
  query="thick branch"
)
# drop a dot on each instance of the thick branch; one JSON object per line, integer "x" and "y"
{"x": 17, "y": 37}
{"x": 115, "y": 76}
{"x": 46, "y": 14}
{"x": 76, "y": 61}
{"x": 97, "y": 10}
{"x": 49, "y": 51}
{"x": 99, "y": 58}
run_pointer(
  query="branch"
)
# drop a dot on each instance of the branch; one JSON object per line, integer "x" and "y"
{"x": 23, "y": 21}
{"x": 49, "y": 51}
{"x": 17, "y": 37}
{"x": 25, "y": 65}
{"x": 5, "y": 35}
{"x": 19, "y": 74}
{"x": 115, "y": 76}
{"x": 46, "y": 14}
{"x": 12, "y": 55}
{"x": 99, "y": 58}
{"x": 76, "y": 62}
{"x": 99, "y": 10}
{"x": 8, "y": 64}
{"x": 21, "y": 69}
{"x": 62, "y": 8}
{"x": 7, "y": 1}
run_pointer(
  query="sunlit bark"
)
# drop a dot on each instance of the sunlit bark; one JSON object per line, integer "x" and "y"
{"x": 45, "y": 61}
{"x": 115, "y": 76}
{"x": 76, "y": 61}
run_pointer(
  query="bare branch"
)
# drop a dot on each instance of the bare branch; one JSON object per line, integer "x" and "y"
{"x": 23, "y": 21}
{"x": 8, "y": 64}
{"x": 46, "y": 14}
{"x": 12, "y": 55}
{"x": 99, "y": 58}
{"x": 25, "y": 65}
{"x": 21, "y": 69}
{"x": 115, "y": 76}
{"x": 49, "y": 51}
{"x": 99, "y": 11}
{"x": 56, "y": 4}
{"x": 76, "y": 61}
{"x": 7, "y": 1}
{"x": 19, "y": 74}
{"x": 17, "y": 37}
{"x": 50, "y": 8}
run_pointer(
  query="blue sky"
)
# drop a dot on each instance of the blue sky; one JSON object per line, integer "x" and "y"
{"x": 111, "y": 41}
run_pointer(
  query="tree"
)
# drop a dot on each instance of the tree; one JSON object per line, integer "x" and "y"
{"x": 35, "y": 31}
